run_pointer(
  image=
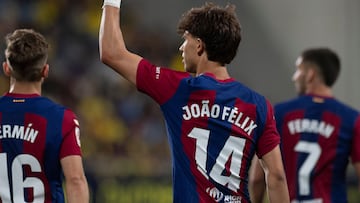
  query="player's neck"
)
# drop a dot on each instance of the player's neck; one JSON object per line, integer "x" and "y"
{"x": 220, "y": 72}
{"x": 323, "y": 91}
{"x": 17, "y": 87}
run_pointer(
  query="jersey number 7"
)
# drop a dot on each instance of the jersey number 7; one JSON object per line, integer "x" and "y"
{"x": 313, "y": 150}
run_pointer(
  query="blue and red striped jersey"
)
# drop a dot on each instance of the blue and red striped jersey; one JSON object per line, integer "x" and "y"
{"x": 35, "y": 134}
{"x": 214, "y": 129}
{"x": 318, "y": 137}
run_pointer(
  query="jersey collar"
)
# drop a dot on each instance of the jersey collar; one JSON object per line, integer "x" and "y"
{"x": 21, "y": 95}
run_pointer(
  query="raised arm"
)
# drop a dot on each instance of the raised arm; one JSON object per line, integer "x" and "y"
{"x": 113, "y": 51}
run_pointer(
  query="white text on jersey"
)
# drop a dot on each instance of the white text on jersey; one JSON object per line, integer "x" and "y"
{"x": 18, "y": 132}
{"x": 229, "y": 114}
{"x": 310, "y": 126}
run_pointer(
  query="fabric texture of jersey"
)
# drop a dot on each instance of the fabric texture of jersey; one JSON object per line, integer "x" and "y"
{"x": 318, "y": 136}
{"x": 35, "y": 133}
{"x": 214, "y": 129}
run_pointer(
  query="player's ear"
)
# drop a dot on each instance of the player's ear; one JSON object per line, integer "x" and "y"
{"x": 310, "y": 74}
{"x": 200, "y": 46}
{"x": 6, "y": 69}
{"x": 45, "y": 71}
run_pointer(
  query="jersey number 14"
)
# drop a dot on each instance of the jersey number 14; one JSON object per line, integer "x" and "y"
{"x": 233, "y": 149}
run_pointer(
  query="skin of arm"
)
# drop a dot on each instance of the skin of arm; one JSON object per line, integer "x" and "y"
{"x": 112, "y": 49}
{"x": 257, "y": 186}
{"x": 356, "y": 163}
{"x": 275, "y": 176}
{"x": 357, "y": 170}
{"x": 76, "y": 186}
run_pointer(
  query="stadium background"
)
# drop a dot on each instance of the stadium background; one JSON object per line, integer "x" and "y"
{"x": 126, "y": 155}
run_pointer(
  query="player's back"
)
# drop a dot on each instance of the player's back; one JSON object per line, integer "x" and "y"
{"x": 221, "y": 122}
{"x": 214, "y": 128}
{"x": 30, "y": 139}
{"x": 317, "y": 141}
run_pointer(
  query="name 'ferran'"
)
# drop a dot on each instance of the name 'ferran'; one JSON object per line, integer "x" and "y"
{"x": 310, "y": 126}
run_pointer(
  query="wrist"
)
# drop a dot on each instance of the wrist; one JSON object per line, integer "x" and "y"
{"x": 114, "y": 3}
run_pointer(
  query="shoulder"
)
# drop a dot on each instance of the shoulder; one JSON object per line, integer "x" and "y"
{"x": 55, "y": 107}
{"x": 146, "y": 67}
{"x": 250, "y": 94}
{"x": 48, "y": 103}
{"x": 160, "y": 83}
{"x": 346, "y": 111}
{"x": 290, "y": 102}
{"x": 344, "y": 106}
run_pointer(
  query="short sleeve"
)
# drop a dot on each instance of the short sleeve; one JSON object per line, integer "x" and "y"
{"x": 160, "y": 83}
{"x": 270, "y": 137}
{"x": 71, "y": 135}
{"x": 355, "y": 152}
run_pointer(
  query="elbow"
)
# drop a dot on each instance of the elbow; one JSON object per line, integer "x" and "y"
{"x": 107, "y": 51}
{"x": 105, "y": 56}
{"x": 77, "y": 181}
{"x": 257, "y": 181}
{"x": 77, "y": 189}
{"x": 276, "y": 180}
{"x": 111, "y": 55}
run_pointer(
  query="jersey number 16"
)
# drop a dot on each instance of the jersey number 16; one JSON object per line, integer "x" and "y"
{"x": 19, "y": 183}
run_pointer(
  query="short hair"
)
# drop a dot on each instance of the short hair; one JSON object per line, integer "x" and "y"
{"x": 26, "y": 52}
{"x": 219, "y": 29}
{"x": 326, "y": 60}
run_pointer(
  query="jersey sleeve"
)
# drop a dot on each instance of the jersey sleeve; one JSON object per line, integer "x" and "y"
{"x": 71, "y": 135}
{"x": 270, "y": 137}
{"x": 355, "y": 152}
{"x": 160, "y": 83}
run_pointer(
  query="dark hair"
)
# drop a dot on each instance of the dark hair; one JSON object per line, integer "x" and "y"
{"x": 26, "y": 53}
{"x": 326, "y": 60}
{"x": 217, "y": 27}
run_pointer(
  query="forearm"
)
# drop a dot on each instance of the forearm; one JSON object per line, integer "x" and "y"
{"x": 257, "y": 191}
{"x": 357, "y": 170}
{"x": 275, "y": 177}
{"x": 111, "y": 41}
{"x": 112, "y": 47}
{"x": 257, "y": 184}
{"x": 76, "y": 186}
{"x": 277, "y": 189}
{"x": 77, "y": 190}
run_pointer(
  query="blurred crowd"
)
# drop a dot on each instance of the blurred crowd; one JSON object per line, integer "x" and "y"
{"x": 123, "y": 133}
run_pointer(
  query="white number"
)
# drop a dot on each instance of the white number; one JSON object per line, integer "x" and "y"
{"x": 4, "y": 183}
{"x": 233, "y": 149}
{"x": 19, "y": 182}
{"x": 202, "y": 138}
{"x": 314, "y": 151}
